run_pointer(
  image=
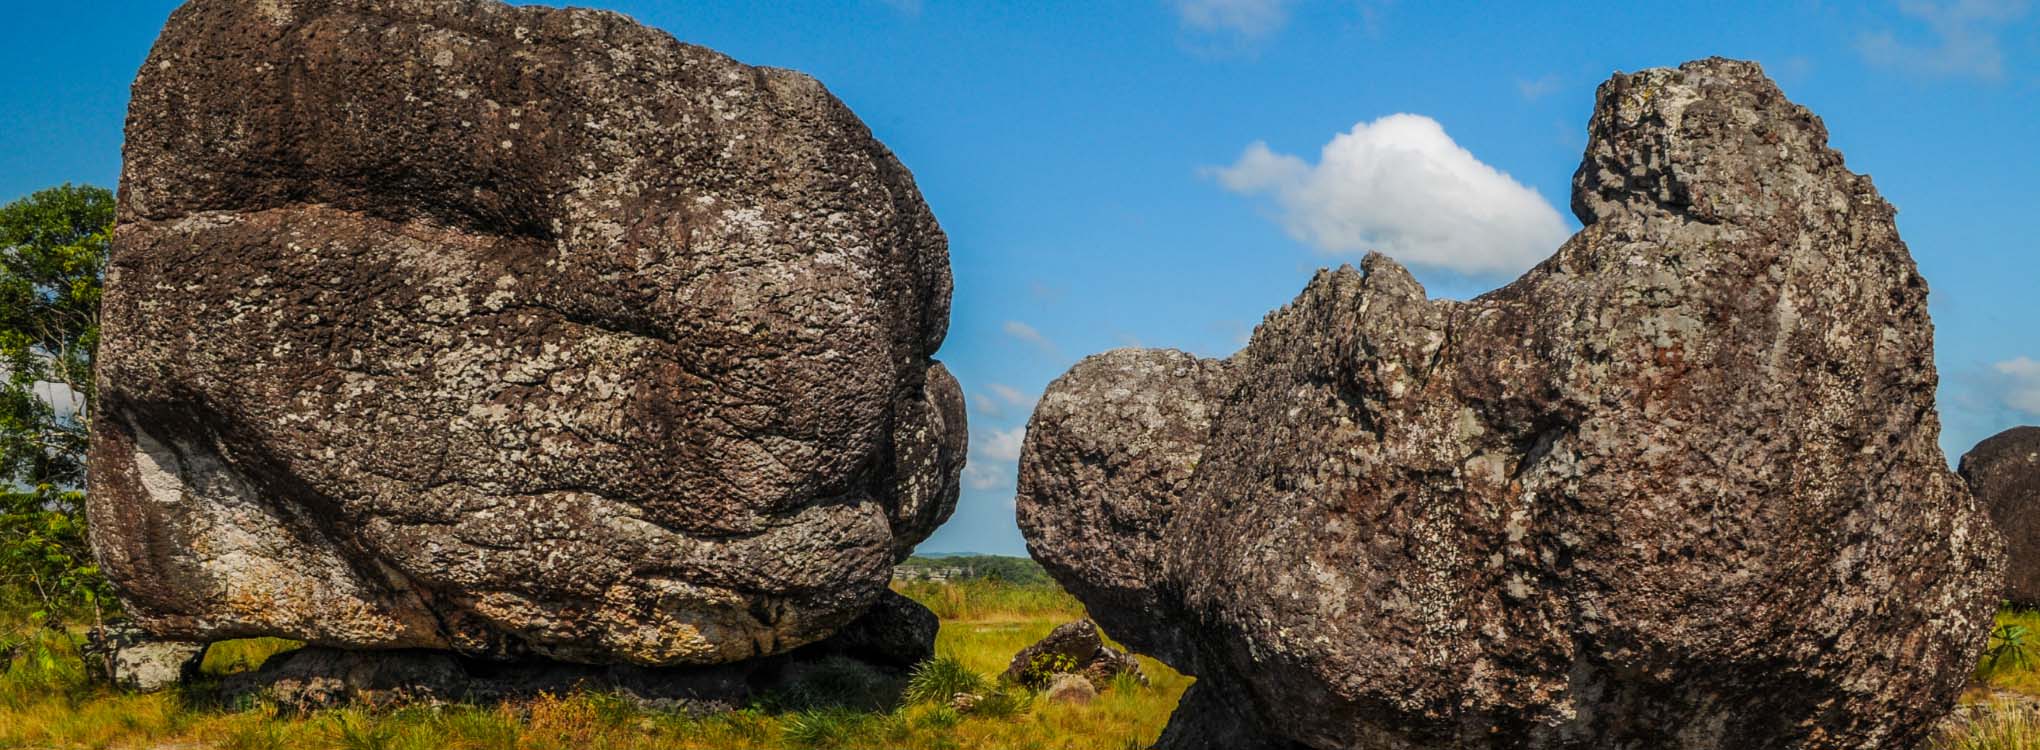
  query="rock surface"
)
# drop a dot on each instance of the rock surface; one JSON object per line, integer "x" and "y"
{"x": 1070, "y": 688}
{"x": 448, "y": 324}
{"x": 1074, "y": 648}
{"x": 1676, "y": 487}
{"x": 2004, "y": 474}
{"x": 810, "y": 676}
{"x": 132, "y": 659}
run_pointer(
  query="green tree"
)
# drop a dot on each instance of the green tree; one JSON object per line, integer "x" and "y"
{"x": 53, "y": 248}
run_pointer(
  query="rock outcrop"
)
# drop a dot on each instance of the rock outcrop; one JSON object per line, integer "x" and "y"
{"x": 1676, "y": 487}
{"x": 1071, "y": 648}
{"x": 447, "y": 324}
{"x": 2004, "y": 473}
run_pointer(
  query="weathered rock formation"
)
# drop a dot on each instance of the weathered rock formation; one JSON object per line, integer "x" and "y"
{"x": 1676, "y": 487}
{"x": 1071, "y": 648}
{"x": 2004, "y": 473}
{"x": 447, "y": 324}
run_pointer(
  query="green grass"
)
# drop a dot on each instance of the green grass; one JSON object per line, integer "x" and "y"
{"x": 986, "y": 599}
{"x": 46, "y": 701}
{"x": 2009, "y": 687}
{"x": 2007, "y": 726}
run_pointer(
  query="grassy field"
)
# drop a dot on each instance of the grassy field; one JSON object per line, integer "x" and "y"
{"x": 46, "y": 701}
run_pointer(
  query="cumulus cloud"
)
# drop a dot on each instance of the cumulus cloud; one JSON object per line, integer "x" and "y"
{"x": 2019, "y": 384}
{"x": 1001, "y": 445}
{"x": 978, "y": 475}
{"x": 1250, "y": 19}
{"x": 994, "y": 460}
{"x": 1401, "y": 186}
{"x": 1962, "y": 38}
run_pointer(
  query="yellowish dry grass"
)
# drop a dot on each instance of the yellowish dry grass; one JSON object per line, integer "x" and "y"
{"x": 44, "y": 703}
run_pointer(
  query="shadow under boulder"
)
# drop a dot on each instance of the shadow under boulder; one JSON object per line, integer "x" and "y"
{"x": 863, "y": 666}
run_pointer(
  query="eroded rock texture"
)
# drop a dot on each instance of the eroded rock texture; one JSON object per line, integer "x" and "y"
{"x": 1074, "y": 648}
{"x": 1676, "y": 487}
{"x": 448, "y": 324}
{"x": 2004, "y": 473}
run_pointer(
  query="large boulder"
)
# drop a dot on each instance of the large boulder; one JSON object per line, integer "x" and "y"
{"x": 2004, "y": 473}
{"x": 448, "y": 324}
{"x": 1676, "y": 487}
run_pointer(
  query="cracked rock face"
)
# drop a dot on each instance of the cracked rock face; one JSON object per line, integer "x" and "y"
{"x": 1676, "y": 487}
{"x": 2004, "y": 472}
{"x": 448, "y": 324}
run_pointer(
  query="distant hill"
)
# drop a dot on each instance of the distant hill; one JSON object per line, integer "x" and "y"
{"x": 966, "y": 566}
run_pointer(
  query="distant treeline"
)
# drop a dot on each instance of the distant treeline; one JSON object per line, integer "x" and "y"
{"x": 1018, "y": 570}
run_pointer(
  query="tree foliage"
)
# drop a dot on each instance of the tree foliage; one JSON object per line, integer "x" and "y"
{"x": 53, "y": 249}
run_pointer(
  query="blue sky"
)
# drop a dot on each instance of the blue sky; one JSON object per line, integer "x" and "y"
{"x": 1096, "y": 168}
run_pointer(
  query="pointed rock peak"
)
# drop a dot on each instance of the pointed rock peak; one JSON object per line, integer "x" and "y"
{"x": 1712, "y": 140}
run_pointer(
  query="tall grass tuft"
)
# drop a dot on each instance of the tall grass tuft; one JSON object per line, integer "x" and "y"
{"x": 2005, "y": 725}
{"x": 832, "y": 727}
{"x": 937, "y": 680}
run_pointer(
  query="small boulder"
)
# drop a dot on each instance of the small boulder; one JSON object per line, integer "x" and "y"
{"x": 2004, "y": 473}
{"x": 129, "y": 657}
{"x": 1075, "y": 648}
{"x": 1071, "y": 688}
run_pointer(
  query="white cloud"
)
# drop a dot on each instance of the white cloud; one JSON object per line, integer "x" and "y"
{"x": 1008, "y": 393}
{"x": 1025, "y": 332}
{"x": 994, "y": 460}
{"x": 1250, "y": 19}
{"x": 2019, "y": 384}
{"x": 1401, "y": 186}
{"x": 998, "y": 397}
{"x": 1001, "y": 445}
{"x": 1963, "y": 38}
{"x": 979, "y": 476}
